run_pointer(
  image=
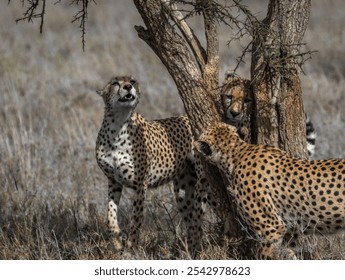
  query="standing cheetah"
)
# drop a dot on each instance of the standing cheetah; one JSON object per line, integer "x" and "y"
{"x": 139, "y": 154}
{"x": 277, "y": 195}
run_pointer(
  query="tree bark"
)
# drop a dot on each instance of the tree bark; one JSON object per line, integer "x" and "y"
{"x": 275, "y": 77}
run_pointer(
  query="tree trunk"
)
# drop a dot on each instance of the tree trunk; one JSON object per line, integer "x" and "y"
{"x": 195, "y": 72}
{"x": 275, "y": 74}
{"x": 275, "y": 79}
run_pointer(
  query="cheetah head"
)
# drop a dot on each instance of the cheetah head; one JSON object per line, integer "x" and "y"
{"x": 121, "y": 91}
{"x": 235, "y": 98}
{"x": 216, "y": 143}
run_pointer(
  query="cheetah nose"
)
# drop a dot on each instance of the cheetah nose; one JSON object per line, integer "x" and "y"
{"x": 127, "y": 87}
{"x": 235, "y": 113}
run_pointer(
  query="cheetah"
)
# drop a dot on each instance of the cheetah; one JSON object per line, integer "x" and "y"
{"x": 237, "y": 99}
{"x": 139, "y": 154}
{"x": 276, "y": 195}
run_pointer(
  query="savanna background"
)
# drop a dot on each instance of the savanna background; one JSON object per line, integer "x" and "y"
{"x": 53, "y": 196}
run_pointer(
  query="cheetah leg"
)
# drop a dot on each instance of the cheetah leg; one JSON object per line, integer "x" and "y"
{"x": 200, "y": 196}
{"x": 269, "y": 251}
{"x": 137, "y": 217}
{"x": 271, "y": 246}
{"x": 201, "y": 192}
{"x": 184, "y": 187}
{"x": 275, "y": 251}
{"x": 198, "y": 218}
{"x": 270, "y": 229}
{"x": 114, "y": 196}
{"x": 305, "y": 246}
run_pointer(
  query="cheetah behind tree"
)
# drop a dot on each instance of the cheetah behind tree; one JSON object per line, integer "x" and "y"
{"x": 277, "y": 195}
{"x": 237, "y": 99}
{"x": 238, "y": 103}
{"x": 139, "y": 154}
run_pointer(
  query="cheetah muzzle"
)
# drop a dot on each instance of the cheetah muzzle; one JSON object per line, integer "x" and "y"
{"x": 127, "y": 98}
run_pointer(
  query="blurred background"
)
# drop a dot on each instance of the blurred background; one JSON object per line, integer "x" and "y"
{"x": 52, "y": 193}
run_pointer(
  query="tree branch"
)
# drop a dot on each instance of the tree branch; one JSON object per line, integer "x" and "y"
{"x": 31, "y": 13}
{"x": 81, "y": 17}
{"x": 187, "y": 32}
{"x": 212, "y": 41}
{"x": 37, "y": 10}
{"x": 168, "y": 45}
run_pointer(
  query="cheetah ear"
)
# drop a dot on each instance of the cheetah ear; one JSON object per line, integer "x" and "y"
{"x": 204, "y": 148}
{"x": 100, "y": 92}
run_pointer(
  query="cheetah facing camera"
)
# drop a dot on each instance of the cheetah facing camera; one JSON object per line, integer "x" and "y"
{"x": 237, "y": 99}
{"x": 238, "y": 106}
{"x": 139, "y": 154}
{"x": 277, "y": 195}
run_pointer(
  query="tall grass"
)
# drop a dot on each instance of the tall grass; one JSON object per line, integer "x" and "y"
{"x": 53, "y": 197}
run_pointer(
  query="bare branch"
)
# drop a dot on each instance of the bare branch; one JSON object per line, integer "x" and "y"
{"x": 221, "y": 12}
{"x": 212, "y": 40}
{"x": 187, "y": 32}
{"x": 42, "y": 17}
{"x": 37, "y": 10}
{"x": 32, "y": 12}
{"x": 165, "y": 41}
{"x": 81, "y": 17}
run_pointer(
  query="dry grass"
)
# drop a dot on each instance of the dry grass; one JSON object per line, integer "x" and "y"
{"x": 52, "y": 194}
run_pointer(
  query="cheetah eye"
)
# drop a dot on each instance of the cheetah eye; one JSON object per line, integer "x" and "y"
{"x": 248, "y": 100}
{"x": 115, "y": 83}
{"x": 132, "y": 81}
{"x": 228, "y": 95}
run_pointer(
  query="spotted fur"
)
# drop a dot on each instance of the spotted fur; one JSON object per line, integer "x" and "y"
{"x": 139, "y": 154}
{"x": 277, "y": 196}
